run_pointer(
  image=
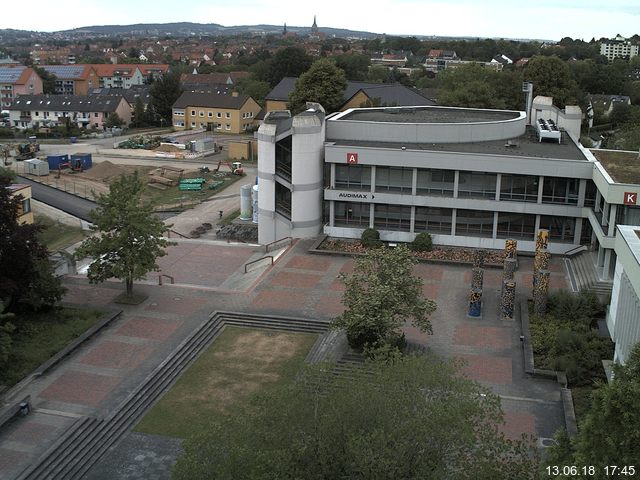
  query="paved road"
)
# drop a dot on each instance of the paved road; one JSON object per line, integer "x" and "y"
{"x": 76, "y": 206}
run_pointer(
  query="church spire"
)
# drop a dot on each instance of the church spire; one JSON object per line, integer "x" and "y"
{"x": 314, "y": 27}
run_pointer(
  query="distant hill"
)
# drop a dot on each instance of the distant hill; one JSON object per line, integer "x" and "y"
{"x": 189, "y": 28}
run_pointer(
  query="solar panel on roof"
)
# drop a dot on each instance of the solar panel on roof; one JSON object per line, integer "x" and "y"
{"x": 10, "y": 74}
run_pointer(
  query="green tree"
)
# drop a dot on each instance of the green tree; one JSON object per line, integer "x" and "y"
{"x": 6, "y": 329}
{"x": 139, "y": 114}
{"x": 610, "y": 431}
{"x": 380, "y": 296}
{"x": 476, "y": 87}
{"x": 48, "y": 80}
{"x": 164, "y": 93}
{"x": 128, "y": 236}
{"x": 27, "y": 280}
{"x": 323, "y": 83}
{"x": 551, "y": 77}
{"x": 113, "y": 120}
{"x": 414, "y": 418}
{"x": 288, "y": 62}
{"x": 355, "y": 66}
{"x": 256, "y": 89}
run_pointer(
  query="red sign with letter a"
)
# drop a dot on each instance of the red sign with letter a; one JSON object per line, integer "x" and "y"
{"x": 352, "y": 158}
{"x": 630, "y": 198}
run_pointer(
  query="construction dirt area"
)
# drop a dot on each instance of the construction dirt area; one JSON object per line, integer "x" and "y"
{"x": 169, "y": 187}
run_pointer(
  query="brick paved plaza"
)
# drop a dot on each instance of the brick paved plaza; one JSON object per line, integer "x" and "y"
{"x": 100, "y": 374}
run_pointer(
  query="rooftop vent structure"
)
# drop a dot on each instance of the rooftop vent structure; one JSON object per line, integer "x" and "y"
{"x": 548, "y": 130}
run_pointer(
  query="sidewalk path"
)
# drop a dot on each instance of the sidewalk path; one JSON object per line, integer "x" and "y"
{"x": 99, "y": 375}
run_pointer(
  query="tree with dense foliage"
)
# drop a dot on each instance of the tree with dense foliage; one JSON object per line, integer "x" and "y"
{"x": 355, "y": 66}
{"x": 381, "y": 295}
{"x": 610, "y": 432}
{"x": 27, "y": 279}
{"x": 413, "y": 418}
{"x": 139, "y": 114}
{"x": 48, "y": 80}
{"x": 113, "y": 120}
{"x": 474, "y": 86}
{"x": 323, "y": 83}
{"x": 164, "y": 93}
{"x": 552, "y": 77}
{"x": 287, "y": 62}
{"x": 128, "y": 237}
{"x": 256, "y": 89}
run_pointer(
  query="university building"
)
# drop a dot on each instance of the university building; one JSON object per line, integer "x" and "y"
{"x": 469, "y": 177}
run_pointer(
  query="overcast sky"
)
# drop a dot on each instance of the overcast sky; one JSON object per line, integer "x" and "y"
{"x": 539, "y": 19}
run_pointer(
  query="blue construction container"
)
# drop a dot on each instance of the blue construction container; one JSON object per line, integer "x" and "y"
{"x": 55, "y": 160}
{"x": 87, "y": 162}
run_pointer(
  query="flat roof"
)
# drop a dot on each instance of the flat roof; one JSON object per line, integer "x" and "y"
{"x": 622, "y": 167}
{"x": 526, "y": 145}
{"x": 428, "y": 114}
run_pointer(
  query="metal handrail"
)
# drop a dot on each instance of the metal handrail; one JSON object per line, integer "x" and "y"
{"x": 269, "y": 245}
{"x": 258, "y": 260}
{"x": 169, "y": 232}
{"x": 574, "y": 250}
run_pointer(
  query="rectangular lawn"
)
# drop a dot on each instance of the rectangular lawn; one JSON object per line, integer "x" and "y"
{"x": 39, "y": 336}
{"x": 238, "y": 364}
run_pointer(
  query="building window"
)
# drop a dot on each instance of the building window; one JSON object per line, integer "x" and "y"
{"x": 283, "y": 158}
{"x": 227, "y": 115}
{"x": 283, "y": 201}
{"x": 590, "y": 194}
{"x": 435, "y": 182}
{"x": 560, "y": 190}
{"x": 477, "y": 185}
{"x": 24, "y": 206}
{"x": 392, "y": 217}
{"x": 193, "y": 124}
{"x": 561, "y": 229}
{"x": 348, "y": 214}
{"x": 394, "y": 179}
{"x": 516, "y": 225}
{"x": 519, "y": 188}
{"x": 210, "y": 114}
{"x": 201, "y": 113}
{"x": 433, "y": 220}
{"x": 474, "y": 223}
{"x": 193, "y": 113}
{"x": 227, "y": 127}
{"x": 353, "y": 177}
{"x": 219, "y": 126}
{"x": 218, "y": 115}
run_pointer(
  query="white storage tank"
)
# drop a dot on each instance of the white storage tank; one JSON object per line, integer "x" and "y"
{"x": 245, "y": 202}
{"x": 254, "y": 203}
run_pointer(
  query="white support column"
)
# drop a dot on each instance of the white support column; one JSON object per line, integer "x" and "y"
{"x": 612, "y": 220}
{"x": 412, "y": 223}
{"x": 454, "y": 214}
{"x": 582, "y": 192}
{"x": 494, "y": 232}
{"x": 371, "y": 214}
{"x": 498, "y": 186}
{"x": 332, "y": 213}
{"x": 577, "y": 234}
{"x": 456, "y": 180}
{"x": 540, "y": 188}
{"x": 332, "y": 183}
{"x": 414, "y": 183}
{"x": 373, "y": 179}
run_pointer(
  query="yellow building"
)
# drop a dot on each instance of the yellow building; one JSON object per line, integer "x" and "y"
{"x": 232, "y": 113}
{"x": 25, "y": 215}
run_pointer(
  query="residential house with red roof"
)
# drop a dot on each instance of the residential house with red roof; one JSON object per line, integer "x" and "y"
{"x": 18, "y": 80}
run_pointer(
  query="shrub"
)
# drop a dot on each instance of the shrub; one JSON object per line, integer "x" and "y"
{"x": 422, "y": 243}
{"x": 370, "y": 238}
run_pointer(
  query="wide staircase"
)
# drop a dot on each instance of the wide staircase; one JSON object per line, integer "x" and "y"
{"x": 89, "y": 438}
{"x": 584, "y": 276}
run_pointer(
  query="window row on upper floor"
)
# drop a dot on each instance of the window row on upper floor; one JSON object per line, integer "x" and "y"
{"x": 468, "y": 184}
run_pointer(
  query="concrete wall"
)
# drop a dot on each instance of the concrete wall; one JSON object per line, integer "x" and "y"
{"x": 345, "y": 129}
{"x": 623, "y": 318}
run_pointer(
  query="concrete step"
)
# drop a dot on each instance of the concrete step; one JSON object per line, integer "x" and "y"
{"x": 87, "y": 441}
